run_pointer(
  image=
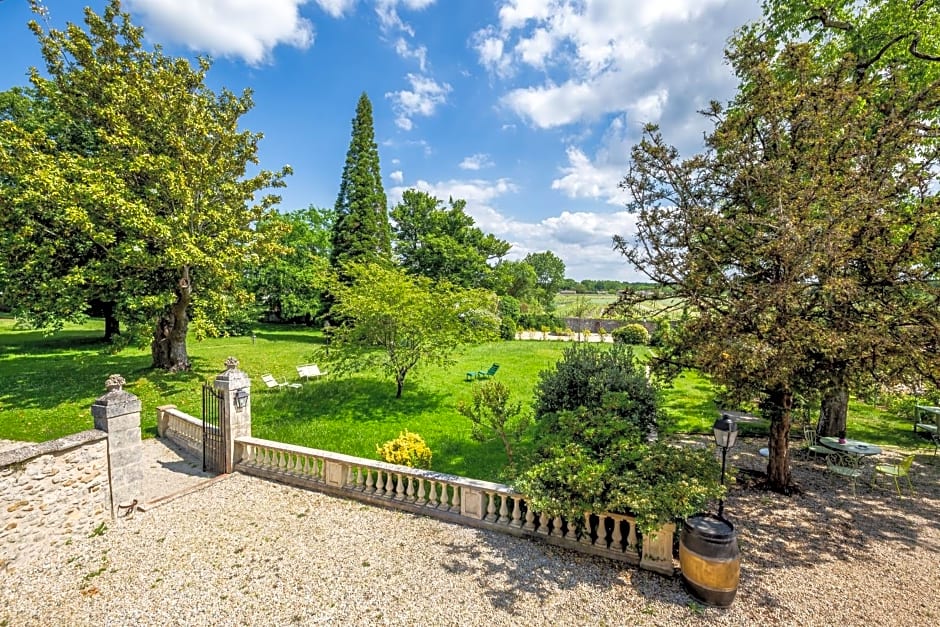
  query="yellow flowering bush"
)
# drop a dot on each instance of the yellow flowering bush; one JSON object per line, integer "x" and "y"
{"x": 408, "y": 449}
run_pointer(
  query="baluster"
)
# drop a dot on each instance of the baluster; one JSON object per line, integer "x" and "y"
{"x": 516, "y": 513}
{"x": 351, "y": 476}
{"x": 379, "y": 483}
{"x": 400, "y": 493}
{"x": 543, "y": 524}
{"x": 631, "y": 534}
{"x": 411, "y": 489}
{"x": 601, "y": 531}
{"x": 556, "y": 527}
{"x": 616, "y": 543}
{"x": 503, "y": 510}
{"x": 490, "y": 507}
{"x": 370, "y": 480}
{"x": 529, "y": 520}
{"x": 432, "y": 494}
{"x": 360, "y": 480}
{"x": 586, "y": 530}
{"x": 571, "y": 533}
{"x": 421, "y": 500}
{"x": 455, "y": 502}
{"x": 281, "y": 460}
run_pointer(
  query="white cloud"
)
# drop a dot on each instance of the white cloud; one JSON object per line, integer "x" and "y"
{"x": 599, "y": 178}
{"x": 422, "y": 99}
{"x": 407, "y": 51}
{"x": 336, "y": 8}
{"x": 398, "y": 176}
{"x": 249, "y": 29}
{"x": 603, "y": 57}
{"x": 476, "y": 162}
{"x": 491, "y": 50}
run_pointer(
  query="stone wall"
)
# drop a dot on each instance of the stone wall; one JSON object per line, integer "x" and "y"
{"x": 50, "y": 492}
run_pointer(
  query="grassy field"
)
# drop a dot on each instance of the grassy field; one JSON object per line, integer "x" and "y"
{"x": 566, "y": 305}
{"x": 48, "y": 383}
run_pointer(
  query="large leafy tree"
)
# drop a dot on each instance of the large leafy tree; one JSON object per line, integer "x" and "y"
{"x": 549, "y": 276}
{"x": 361, "y": 231}
{"x": 291, "y": 286}
{"x": 806, "y": 237}
{"x": 443, "y": 243}
{"x": 398, "y": 322}
{"x": 153, "y": 205}
{"x": 899, "y": 37}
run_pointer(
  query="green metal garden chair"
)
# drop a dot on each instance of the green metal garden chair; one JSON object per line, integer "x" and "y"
{"x": 902, "y": 469}
{"x": 844, "y": 465}
{"x": 812, "y": 447}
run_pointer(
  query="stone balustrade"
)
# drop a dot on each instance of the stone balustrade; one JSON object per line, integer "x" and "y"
{"x": 457, "y": 499}
{"x": 181, "y": 428}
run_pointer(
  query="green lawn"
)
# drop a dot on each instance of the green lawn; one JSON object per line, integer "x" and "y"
{"x": 48, "y": 383}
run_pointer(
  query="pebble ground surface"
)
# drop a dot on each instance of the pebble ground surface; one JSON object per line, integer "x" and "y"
{"x": 244, "y": 551}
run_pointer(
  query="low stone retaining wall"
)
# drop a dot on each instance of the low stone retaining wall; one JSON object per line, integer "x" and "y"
{"x": 50, "y": 492}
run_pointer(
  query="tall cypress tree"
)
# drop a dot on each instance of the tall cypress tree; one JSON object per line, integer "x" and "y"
{"x": 361, "y": 232}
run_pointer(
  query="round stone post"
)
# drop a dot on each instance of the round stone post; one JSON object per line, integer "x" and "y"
{"x": 117, "y": 413}
{"x": 235, "y": 387}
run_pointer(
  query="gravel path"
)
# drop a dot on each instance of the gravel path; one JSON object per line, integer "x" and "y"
{"x": 244, "y": 551}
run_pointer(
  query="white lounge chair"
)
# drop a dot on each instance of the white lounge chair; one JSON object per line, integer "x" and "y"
{"x": 309, "y": 370}
{"x": 271, "y": 382}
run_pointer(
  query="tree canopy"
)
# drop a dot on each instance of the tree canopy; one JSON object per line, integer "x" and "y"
{"x": 361, "y": 231}
{"x": 395, "y": 321}
{"x": 148, "y": 206}
{"x": 805, "y": 239}
{"x": 440, "y": 243}
{"x": 549, "y": 275}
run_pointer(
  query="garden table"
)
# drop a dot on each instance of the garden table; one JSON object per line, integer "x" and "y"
{"x": 853, "y": 447}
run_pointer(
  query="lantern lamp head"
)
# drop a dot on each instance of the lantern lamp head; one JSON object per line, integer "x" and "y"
{"x": 726, "y": 431}
{"x": 241, "y": 399}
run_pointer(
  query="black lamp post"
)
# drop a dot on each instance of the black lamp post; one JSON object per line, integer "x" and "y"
{"x": 726, "y": 433}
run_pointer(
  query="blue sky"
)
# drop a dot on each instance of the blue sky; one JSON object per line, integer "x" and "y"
{"x": 526, "y": 109}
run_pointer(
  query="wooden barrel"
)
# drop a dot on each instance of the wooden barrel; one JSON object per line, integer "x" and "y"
{"x": 709, "y": 558}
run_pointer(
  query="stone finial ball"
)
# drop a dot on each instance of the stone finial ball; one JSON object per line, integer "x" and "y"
{"x": 114, "y": 382}
{"x": 231, "y": 363}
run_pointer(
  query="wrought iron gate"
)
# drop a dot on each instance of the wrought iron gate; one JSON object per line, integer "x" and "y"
{"x": 213, "y": 440}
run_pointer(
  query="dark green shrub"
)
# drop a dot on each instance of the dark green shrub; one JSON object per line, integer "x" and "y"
{"x": 596, "y": 413}
{"x": 507, "y": 329}
{"x": 634, "y": 333}
{"x": 537, "y": 321}
{"x": 587, "y": 374}
{"x": 509, "y": 308}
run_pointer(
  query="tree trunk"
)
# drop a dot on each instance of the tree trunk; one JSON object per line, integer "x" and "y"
{"x": 833, "y": 410}
{"x": 779, "y": 409}
{"x": 112, "y": 326}
{"x": 400, "y": 382}
{"x": 168, "y": 348}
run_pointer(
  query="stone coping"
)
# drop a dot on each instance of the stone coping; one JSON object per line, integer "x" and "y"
{"x": 30, "y": 451}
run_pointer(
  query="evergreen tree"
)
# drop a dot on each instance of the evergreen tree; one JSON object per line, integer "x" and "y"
{"x": 361, "y": 231}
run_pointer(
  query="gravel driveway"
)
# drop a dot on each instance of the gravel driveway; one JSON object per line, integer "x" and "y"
{"x": 245, "y": 551}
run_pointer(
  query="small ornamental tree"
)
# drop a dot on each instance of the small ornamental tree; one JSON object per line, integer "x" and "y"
{"x": 492, "y": 413}
{"x": 395, "y": 322}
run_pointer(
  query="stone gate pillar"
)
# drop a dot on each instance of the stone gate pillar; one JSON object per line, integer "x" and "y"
{"x": 117, "y": 413}
{"x": 235, "y": 387}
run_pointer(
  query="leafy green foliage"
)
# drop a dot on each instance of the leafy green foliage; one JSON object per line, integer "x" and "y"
{"x": 594, "y": 451}
{"x": 514, "y": 278}
{"x": 290, "y": 286}
{"x": 361, "y": 231}
{"x": 408, "y": 449}
{"x": 805, "y": 239}
{"x": 595, "y": 377}
{"x": 441, "y": 243}
{"x": 492, "y": 413}
{"x": 549, "y": 276}
{"x": 410, "y": 319}
{"x": 144, "y": 202}
{"x": 633, "y": 333}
